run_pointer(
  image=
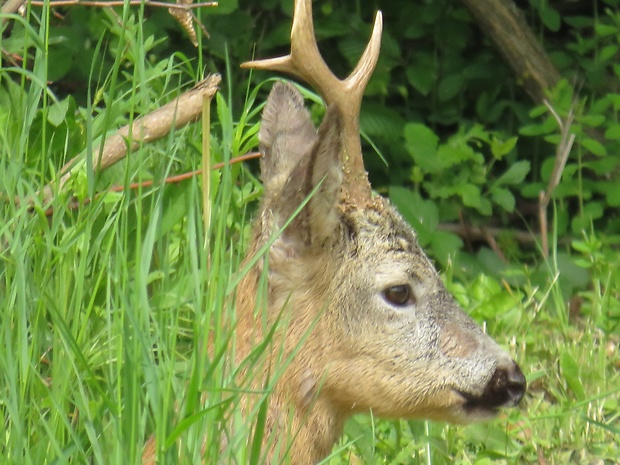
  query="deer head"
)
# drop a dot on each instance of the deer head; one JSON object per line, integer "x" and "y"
{"x": 370, "y": 325}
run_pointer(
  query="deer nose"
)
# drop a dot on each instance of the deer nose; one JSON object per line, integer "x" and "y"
{"x": 505, "y": 388}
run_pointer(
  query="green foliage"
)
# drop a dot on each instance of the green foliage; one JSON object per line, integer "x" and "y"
{"x": 107, "y": 307}
{"x": 457, "y": 168}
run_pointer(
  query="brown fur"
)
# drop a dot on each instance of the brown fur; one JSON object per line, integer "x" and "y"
{"x": 353, "y": 350}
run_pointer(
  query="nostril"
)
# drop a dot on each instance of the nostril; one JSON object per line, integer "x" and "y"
{"x": 506, "y": 387}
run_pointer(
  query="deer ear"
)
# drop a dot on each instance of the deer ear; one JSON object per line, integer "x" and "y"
{"x": 318, "y": 174}
{"x": 286, "y": 136}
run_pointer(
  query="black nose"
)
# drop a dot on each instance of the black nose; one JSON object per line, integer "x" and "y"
{"x": 505, "y": 388}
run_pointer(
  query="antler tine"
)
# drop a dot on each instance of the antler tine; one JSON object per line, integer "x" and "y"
{"x": 305, "y": 62}
{"x": 367, "y": 62}
{"x": 349, "y": 100}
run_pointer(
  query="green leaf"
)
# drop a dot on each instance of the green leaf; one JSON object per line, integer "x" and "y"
{"x": 593, "y": 146}
{"x": 531, "y": 191}
{"x": 608, "y": 52}
{"x": 613, "y": 132}
{"x": 59, "y": 63}
{"x": 421, "y": 143}
{"x": 515, "y": 174}
{"x": 381, "y": 121}
{"x": 351, "y": 48}
{"x": 421, "y": 214}
{"x": 605, "y": 29}
{"x": 583, "y": 263}
{"x": 448, "y": 155}
{"x": 486, "y": 207}
{"x": 224, "y": 7}
{"x": 612, "y": 193}
{"x": 551, "y": 19}
{"x": 592, "y": 120}
{"x": 56, "y": 113}
{"x": 582, "y": 246}
{"x": 422, "y": 73}
{"x": 470, "y": 195}
{"x": 602, "y": 166}
{"x": 583, "y": 222}
{"x": 538, "y": 111}
{"x": 504, "y": 198}
{"x": 500, "y": 148}
{"x": 546, "y": 127}
{"x": 450, "y": 86}
{"x": 445, "y": 245}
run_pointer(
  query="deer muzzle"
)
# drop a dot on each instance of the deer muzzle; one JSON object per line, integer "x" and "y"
{"x": 505, "y": 389}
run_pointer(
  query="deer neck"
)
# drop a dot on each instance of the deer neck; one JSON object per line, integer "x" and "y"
{"x": 300, "y": 416}
{"x": 308, "y": 420}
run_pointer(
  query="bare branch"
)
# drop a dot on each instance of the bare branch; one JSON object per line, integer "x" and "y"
{"x": 507, "y": 27}
{"x": 111, "y": 3}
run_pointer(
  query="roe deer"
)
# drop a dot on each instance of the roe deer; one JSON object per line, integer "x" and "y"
{"x": 383, "y": 334}
{"x": 369, "y": 323}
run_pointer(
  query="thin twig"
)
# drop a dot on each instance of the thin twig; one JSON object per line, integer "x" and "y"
{"x": 563, "y": 149}
{"x": 111, "y": 3}
{"x": 494, "y": 245}
{"x": 478, "y": 233}
{"x": 75, "y": 204}
{"x": 200, "y": 25}
{"x": 561, "y": 156}
{"x": 542, "y": 223}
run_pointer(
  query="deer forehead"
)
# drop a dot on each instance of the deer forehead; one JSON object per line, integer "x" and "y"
{"x": 382, "y": 236}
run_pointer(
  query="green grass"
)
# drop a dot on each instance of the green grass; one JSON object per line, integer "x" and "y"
{"x": 107, "y": 309}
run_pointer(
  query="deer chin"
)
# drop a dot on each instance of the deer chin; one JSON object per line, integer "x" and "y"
{"x": 475, "y": 408}
{"x": 460, "y": 408}
{"x": 480, "y": 407}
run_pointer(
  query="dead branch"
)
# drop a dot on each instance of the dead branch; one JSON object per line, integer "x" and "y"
{"x": 504, "y": 23}
{"x": 10, "y": 6}
{"x": 181, "y": 111}
{"x": 112, "y": 3}
{"x": 480, "y": 233}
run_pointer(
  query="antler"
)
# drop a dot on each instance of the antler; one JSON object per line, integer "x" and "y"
{"x": 306, "y": 62}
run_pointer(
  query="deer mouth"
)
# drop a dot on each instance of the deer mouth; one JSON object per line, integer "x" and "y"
{"x": 476, "y": 406}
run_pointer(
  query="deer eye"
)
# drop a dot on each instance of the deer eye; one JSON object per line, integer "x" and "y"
{"x": 399, "y": 295}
